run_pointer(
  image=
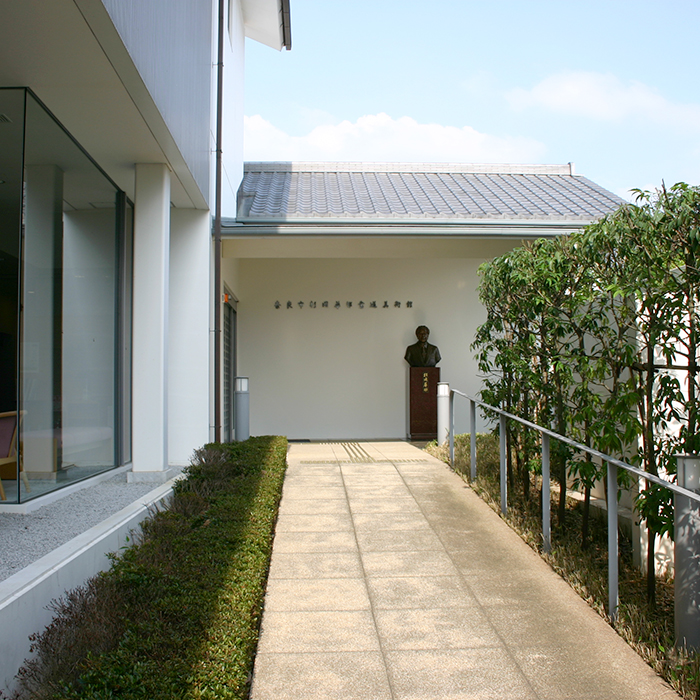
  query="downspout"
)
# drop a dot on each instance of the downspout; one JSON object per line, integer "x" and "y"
{"x": 217, "y": 227}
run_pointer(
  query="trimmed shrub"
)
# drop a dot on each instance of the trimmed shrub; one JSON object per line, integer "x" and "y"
{"x": 178, "y": 613}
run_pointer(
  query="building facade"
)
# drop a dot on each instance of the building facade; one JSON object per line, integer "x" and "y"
{"x": 334, "y": 265}
{"x": 107, "y": 116}
{"x": 108, "y": 328}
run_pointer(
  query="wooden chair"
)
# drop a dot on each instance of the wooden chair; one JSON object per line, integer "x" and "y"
{"x": 9, "y": 456}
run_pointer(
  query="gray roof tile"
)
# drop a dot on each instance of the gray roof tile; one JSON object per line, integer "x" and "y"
{"x": 418, "y": 192}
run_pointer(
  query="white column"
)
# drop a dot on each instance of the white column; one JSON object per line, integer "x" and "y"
{"x": 190, "y": 301}
{"x": 150, "y": 323}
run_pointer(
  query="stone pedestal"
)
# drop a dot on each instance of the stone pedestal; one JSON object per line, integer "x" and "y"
{"x": 423, "y": 402}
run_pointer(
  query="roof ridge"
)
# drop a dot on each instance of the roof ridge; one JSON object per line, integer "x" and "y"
{"x": 348, "y": 166}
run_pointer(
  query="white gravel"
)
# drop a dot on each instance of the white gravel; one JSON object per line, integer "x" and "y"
{"x": 26, "y": 538}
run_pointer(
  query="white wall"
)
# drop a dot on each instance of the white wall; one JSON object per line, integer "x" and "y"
{"x": 170, "y": 43}
{"x": 188, "y": 351}
{"x": 234, "y": 65}
{"x": 230, "y": 273}
{"x": 339, "y": 373}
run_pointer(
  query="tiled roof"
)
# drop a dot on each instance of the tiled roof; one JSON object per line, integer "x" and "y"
{"x": 371, "y": 192}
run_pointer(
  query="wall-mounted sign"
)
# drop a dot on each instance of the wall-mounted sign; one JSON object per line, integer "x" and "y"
{"x": 346, "y": 305}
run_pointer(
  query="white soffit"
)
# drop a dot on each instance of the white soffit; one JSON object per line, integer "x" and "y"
{"x": 70, "y": 54}
{"x": 263, "y": 22}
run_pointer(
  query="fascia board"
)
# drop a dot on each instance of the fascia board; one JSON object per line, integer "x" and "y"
{"x": 398, "y": 167}
{"x": 108, "y": 37}
{"x": 500, "y": 229}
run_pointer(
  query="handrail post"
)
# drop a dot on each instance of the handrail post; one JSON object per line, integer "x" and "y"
{"x": 613, "y": 597}
{"x": 546, "y": 497}
{"x": 688, "y": 492}
{"x": 504, "y": 474}
{"x": 472, "y": 440}
{"x": 443, "y": 413}
{"x": 452, "y": 429}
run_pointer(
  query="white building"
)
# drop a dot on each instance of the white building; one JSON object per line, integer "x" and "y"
{"x": 107, "y": 124}
{"x": 107, "y": 299}
{"x": 334, "y": 265}
{"x": 107, "y": 264}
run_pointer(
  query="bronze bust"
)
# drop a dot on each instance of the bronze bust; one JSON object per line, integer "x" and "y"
{"x": 422, "y": 353}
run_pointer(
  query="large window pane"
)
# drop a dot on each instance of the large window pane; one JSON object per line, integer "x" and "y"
{"x": 11, "y": 156}
{"x": 71, "y": 331}
{"x": 66, "y": 242}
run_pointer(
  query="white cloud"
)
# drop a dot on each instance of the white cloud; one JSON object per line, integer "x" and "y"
{"x": 606, "y": 98}
{"x": 379, "y": 137}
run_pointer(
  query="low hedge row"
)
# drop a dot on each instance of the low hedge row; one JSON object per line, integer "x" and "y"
{"x": 177, "y": 615}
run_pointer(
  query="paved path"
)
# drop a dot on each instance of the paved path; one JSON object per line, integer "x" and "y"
{"x": 391, "y": 580}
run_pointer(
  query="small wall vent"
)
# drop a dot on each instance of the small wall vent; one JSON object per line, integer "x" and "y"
{"x": 4, "y": 119}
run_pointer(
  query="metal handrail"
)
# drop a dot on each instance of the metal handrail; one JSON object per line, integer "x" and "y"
{"x": 612, "y": 464}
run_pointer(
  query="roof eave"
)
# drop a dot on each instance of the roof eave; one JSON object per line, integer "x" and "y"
{"x": 268, "y": 22}
{"x": 498, "y": 228}
{"x": 394, "y": 167}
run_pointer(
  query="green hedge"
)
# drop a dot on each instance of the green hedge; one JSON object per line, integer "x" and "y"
{"x": 177, "y": 615}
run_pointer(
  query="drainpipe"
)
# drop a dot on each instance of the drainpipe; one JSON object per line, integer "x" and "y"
{"x": 217, "y": 227}
{"x": 287, "y": 42}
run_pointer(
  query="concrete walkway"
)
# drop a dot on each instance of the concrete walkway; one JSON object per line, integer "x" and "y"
{"x": 391, "y": 580}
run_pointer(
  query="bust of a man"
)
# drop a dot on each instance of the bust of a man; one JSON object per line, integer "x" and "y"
{"x": 422, "y": 353}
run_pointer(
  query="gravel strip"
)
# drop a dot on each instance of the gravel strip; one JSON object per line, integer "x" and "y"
{"x": 26, "y": 538}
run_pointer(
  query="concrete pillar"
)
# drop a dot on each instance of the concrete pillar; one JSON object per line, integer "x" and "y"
{"x": 150, "y": 323}
{"x": 190, "y": 301}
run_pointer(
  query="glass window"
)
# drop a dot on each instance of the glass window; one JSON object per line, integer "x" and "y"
{"x": 67, "y": 382}
{"x": 11, "y": 182}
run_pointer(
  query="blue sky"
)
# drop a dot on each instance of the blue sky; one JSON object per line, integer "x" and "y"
{"x": 611, "y": 85}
